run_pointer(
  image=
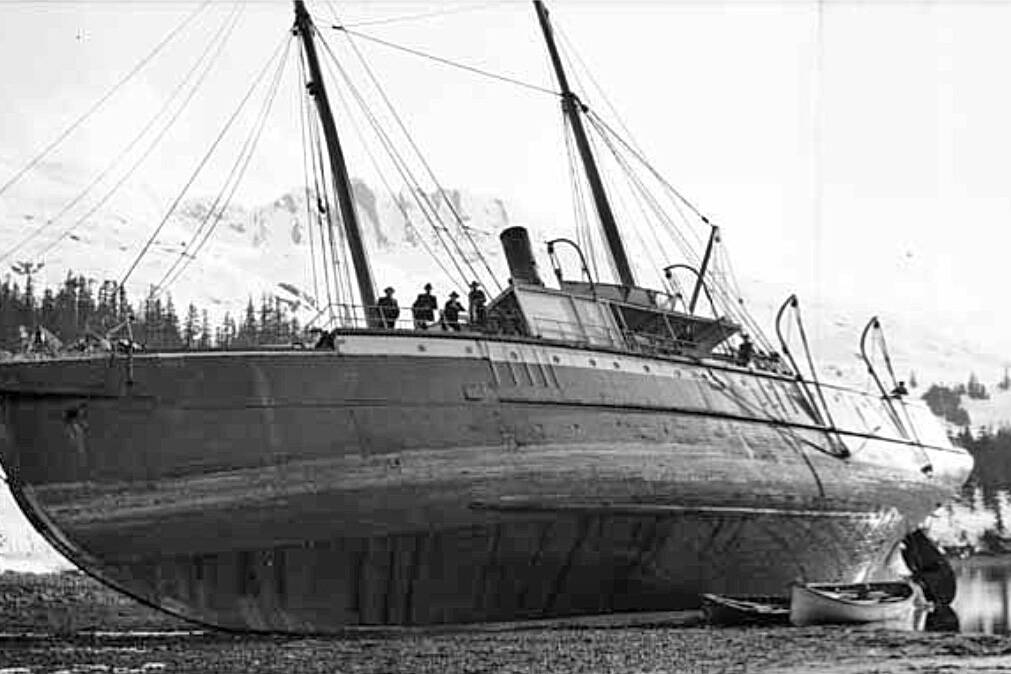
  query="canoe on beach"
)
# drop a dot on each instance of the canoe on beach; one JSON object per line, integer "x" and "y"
{"x": 826, "y": 603}
{"x": 727, "y": 610}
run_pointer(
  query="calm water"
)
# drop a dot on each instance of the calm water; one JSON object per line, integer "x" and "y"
{"x": 978, "y": 522}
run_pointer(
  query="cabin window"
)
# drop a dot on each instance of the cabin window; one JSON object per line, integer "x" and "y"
{"x": 556, "y": 359}
{"x": 593, "y": 363}
{"x": 645, "y": 368}
{"x": 422, "y": 348}
{"x": 514, "y": 355}
{"x": 616, "y": 365}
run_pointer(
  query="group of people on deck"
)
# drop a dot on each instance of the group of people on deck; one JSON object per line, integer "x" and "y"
{"x": 425, "y": 307}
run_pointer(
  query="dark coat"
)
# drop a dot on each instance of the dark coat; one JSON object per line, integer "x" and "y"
{"x": 424, "y": 307}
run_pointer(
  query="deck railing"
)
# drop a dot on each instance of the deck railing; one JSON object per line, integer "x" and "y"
{"x": 319, "y": 332}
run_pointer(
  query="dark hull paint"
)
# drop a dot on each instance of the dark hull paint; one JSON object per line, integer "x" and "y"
{"x": 419, "y": 480}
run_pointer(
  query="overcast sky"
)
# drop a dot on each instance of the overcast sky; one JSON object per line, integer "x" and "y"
{"x": 848, "y": 149}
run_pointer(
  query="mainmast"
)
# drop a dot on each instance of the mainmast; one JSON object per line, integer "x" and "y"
{"x": 338, "y": 169}
{"x": 571, "y": 106}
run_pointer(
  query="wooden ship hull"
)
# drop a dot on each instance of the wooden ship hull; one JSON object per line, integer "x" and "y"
{"x": 418, "y": 478}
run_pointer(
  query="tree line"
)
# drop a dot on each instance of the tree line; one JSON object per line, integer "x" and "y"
{"x": 81, "y": 310}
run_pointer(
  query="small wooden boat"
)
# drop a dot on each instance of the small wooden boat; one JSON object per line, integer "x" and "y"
{"x": 747, "y": 610}
{"x": 825, "y": 603}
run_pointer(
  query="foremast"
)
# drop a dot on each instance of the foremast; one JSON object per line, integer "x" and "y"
{"x": 572, "y": 106}
{"x": 342, "y": 184}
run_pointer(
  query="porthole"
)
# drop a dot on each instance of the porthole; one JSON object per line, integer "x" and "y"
{"x": 469, "y": 349}
{"x": 616, "y": 365}
{"x": 556, "y": 359}
{"x": 593, "y": 363}
{"x": 645, "y": 368}
{"x": 422, "y": 348}
{"x": 514, "y": 355}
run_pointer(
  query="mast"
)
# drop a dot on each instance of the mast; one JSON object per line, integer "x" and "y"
{"x": 714, "y": 236}
{"x": 338, "y": 169}
{"x": 571, "y": 106}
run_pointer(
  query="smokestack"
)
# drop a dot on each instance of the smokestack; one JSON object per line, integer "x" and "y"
{"x": 522, "y": 265}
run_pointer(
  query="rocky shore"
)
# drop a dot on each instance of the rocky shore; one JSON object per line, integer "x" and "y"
{"x": 71, "y": 624}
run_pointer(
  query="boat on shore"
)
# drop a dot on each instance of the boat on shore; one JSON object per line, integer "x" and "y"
{"x": 746, "y": 610}
{"x": 828, "y": 604}
{"x": 598, "y": 446}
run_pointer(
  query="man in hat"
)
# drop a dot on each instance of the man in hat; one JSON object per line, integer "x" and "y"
{"x": 451, "y": 312}
{"x": 389, "y": 310}
{"x": 424, "y": 308}
{"x": 745, "y": 351}
{"x": 476, "y": 311}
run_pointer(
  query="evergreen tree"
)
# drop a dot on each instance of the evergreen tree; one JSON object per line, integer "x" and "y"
{"x": 976, "y": 390}
{"x": 247, "y": 332}
{"x": 205, "y": 332}
{"x": 170, "y": 325}
{"x": 191, "y": 327}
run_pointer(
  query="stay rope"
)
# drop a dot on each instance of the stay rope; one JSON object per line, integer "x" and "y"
{"x": 224, "y": 196}
{"x": 447, "y": 62}
{"x": 224, "y": 29}
{"x": 146, "y": 152}
{"x": 421, "y": 158}
{"x": 419, "y": 195}
{"x": 214, "y": 145}
{"x": 42, "y": 154}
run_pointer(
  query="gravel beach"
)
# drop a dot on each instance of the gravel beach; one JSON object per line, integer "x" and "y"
{"x": 68, "y": 623}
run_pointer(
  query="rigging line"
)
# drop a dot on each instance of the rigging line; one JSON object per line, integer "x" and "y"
{"x": 647, "y": 197}
{"x": 186, "y": 257}
{"x": 429, "y": 15}
{"x": 224, "y": 30}
{"x": 420, "y": 197}
{"x": 147, "y": 151}
{"x": 322, "y": 207}
{"x": 686, "y": 247}
{"x": 300, "y": 96}
{"x": 578, "y": 205}
{"x": 386, "y": 184}
{"x": 447, "y": 62}
{"x": 429, "y": 209}
{"x": 618, "y": 196}
{"x": 207, "y": 156}
{"x": 607, "y": 101}
{"x": 637, "y": 186}
{"x": 105, "y": 97}
{"x": 341, "y": 264}
{"x": 432, "y": 212}
{"x": 424, "y": 163}
{"x": 217, "y": 209}
{"x": 649, "y": 166}
{"x": 136, "y": 139}
{"x": 318, "y": 195}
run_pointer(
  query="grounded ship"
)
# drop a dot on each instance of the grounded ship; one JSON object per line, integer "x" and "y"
{"x": 586, "y": 448}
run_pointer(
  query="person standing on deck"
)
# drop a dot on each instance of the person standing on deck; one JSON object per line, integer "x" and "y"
{"x": 389, "y": 310}
{"x": 476, "y": 310}
{"x": 745, "y": 351}
{"x": 451, "y": 312}
{"x": 424, "y": 308}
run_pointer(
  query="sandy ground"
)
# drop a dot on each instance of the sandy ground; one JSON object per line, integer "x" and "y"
{"x": 52, "y": 623}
